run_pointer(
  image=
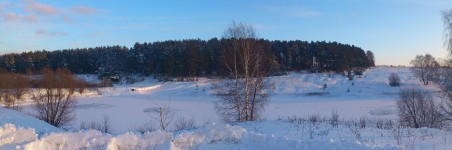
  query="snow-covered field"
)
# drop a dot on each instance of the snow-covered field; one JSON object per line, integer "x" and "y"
{"x": 284, "y": 126}
{"x": 369, "y": 96}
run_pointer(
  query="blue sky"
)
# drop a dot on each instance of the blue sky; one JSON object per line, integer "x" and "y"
{"x": 395, "y": 30}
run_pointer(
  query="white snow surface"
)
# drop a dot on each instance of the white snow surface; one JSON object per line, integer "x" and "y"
{"x": 296, "y": 95}
{"x": 209, "y": 136}
{"x": 8, "y": 116}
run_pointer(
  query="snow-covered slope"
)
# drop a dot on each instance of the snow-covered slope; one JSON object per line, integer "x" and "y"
{"x": 26, "y": 121}
{"x": 373, "y": 83}
{"x": 295, "y": 94}
{"x": 16, "y": 128}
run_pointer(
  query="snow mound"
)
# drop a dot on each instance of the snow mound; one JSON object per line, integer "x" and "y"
{"x": 150, "y": 140}
{"x": 210, "y": 133}
{"x": 10, "y": 134}
{"x": 373, "y": 83}
{"x": 90, "y": 139}
{"x": 8, "y": 116}
{"x": 210, "y": 136}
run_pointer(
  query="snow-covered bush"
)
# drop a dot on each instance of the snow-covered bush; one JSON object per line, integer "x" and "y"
{"x": 148, "y": 127}
{"x": 394, "y": 79}
{"x": 334, "y": 120}
{"x": 416, "y": 109}
{"x": 103, "y": 126}
{"x": 184, "y": 124}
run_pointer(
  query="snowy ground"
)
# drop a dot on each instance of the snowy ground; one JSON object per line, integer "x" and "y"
{"x": 369, "y": 96}
{"x": 296, "y": 95}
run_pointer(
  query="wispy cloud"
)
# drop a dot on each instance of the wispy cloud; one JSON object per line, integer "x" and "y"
{"x": 11, "y": 16}
{"x": 43, "y": 32}
{"x": 34, "y": 11}
{"x": 27, "y": 11}
{"x": 84, "y": 10}
{"x": 39, "y": 8}
{"x": 30, "y": 18}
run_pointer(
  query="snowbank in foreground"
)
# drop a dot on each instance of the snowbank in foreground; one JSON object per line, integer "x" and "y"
{"x": 10, "y": 134}
{"x": 23, "y": 120}
{"x": 210, "y": 136}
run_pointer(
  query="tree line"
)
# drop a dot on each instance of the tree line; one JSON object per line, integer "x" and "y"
{"x": 53, "y": 93}
{"x": 188, "y": 59}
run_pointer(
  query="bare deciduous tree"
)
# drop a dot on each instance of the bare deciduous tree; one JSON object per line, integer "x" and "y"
{"x": 242, "y": 94}
{"x": 425, "y": 67}
{"x": 54, "y": 100}
{"x": 417, "y": 109}
{"x": 12, "y": 89}
{"x": 394, "y": 79}
{"x": 447, "y": 19}
{"x": 164, "y": 116}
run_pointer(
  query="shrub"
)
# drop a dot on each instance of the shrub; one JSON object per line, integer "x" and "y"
{"x": 334, "y": 120}
{"x": 394, "y": 79}
{"x": 315, "y": 118}
{"x": 362, "y": 122}
{"x": 148, "y": 127}
{"x": 55, "y": 102}
{"x": 416, "y": 109}
{"x": 104, "y": 126}
{"x": 184, "y": 124}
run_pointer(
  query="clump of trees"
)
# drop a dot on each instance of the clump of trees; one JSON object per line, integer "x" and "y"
{"x": 370, "y": 57}
{"x": 53, "y": 92}
{"x": 394, "y": 79}
{"x": 13, "y": 87}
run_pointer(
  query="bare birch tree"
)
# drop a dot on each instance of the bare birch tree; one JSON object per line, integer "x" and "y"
{"x": 243, "y": 93}
{"x": 164, "y": 116}
{"x": 447, "y": 20}
{"x": 445, "y": 81}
